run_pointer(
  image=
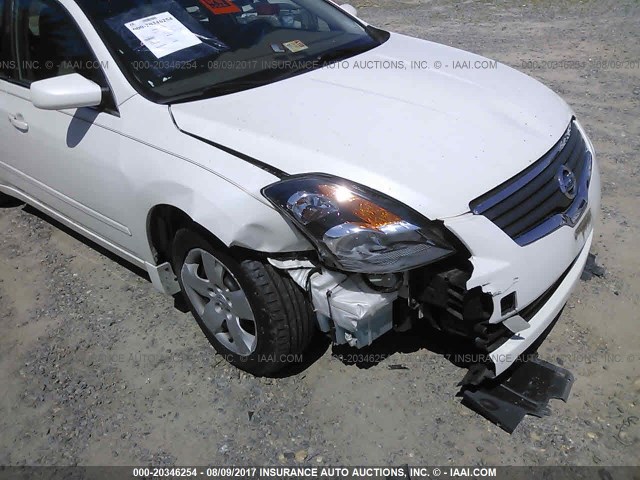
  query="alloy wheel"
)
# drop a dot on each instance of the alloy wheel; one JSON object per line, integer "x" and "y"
{"x": 219, "y": 300}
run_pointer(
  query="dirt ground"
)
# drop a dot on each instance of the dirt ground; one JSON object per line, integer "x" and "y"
{"x": 97, "y": 368}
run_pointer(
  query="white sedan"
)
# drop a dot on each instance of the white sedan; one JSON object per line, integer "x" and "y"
{"x": 288, "y": 168}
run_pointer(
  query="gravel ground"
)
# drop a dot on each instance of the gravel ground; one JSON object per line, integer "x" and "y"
{"x": 99, "y": 369}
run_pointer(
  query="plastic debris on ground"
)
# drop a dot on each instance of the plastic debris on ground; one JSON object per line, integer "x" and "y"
{"x": 525, "y": 390}
{"x": 592, "y": 269}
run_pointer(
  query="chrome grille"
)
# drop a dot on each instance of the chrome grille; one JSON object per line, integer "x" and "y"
{"x": 550, "y": 193}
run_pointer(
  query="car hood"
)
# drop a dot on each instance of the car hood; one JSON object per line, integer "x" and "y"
{"x": 434, "y": 138}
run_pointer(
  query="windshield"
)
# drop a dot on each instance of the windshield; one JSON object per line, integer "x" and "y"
{"x": 179, "y": 50}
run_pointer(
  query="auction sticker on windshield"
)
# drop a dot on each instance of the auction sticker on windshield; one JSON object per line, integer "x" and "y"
{"x": 163, "y": 34}
{"x": 295, "y": 46}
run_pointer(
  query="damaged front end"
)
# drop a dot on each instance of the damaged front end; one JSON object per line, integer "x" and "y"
{"x": 381, "y": 264}
{"x": 356, "y": 309}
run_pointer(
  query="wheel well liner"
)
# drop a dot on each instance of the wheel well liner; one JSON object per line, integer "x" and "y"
{"x": 163, "y": 222}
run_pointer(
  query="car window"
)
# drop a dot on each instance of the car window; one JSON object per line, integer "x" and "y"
{"x": 5, "y": 66}
{"x": 179, "y": 50}
{"x": 50, "y": 44}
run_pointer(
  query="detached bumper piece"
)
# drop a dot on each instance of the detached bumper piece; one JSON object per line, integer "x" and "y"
{"x": 526, "y": 390}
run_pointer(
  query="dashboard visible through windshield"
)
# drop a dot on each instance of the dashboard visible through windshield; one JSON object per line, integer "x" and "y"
{"x": 181, "y": 50}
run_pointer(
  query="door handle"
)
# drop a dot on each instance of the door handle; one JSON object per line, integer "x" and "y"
{"x": 17, "y": 121}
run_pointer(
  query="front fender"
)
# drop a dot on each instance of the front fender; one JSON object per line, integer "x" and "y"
{"x": 235, "y": 217}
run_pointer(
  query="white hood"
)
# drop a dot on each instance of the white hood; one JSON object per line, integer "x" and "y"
{"x": 434, "y": 139}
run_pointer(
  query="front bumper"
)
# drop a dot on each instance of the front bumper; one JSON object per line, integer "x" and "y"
{"x": 504, "y": 356}
{"x": 502, "y": 268}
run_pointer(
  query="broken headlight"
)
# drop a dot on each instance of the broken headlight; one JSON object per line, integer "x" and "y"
{"x": 355, "y": 229}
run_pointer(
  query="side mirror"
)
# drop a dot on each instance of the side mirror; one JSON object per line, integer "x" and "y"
{"x": 350, "y": 9}
{"x": 67, "y": 91}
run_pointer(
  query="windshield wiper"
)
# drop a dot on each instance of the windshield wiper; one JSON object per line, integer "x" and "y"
{"x": 231, "y": 86}
{"x": 257, "y": 79}
{"x": 222, "y": 88}
{"x": 341, "y": 53}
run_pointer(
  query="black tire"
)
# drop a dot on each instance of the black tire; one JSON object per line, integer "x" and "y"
{"x": 284, "y": 318}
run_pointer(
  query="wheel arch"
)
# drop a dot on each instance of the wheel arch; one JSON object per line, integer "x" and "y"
{"x": 244, "y": 235}
{"x": 233, "y": 215}
{"x": 163, "y": 222}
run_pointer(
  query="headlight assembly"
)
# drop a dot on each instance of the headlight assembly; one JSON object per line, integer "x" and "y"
{"x": 355, "y": 229}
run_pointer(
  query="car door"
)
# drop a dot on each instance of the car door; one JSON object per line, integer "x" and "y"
{"x": 6, "y": 68}
{"x": 63, "y": 159}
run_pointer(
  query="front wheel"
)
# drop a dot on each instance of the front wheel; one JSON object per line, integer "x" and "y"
{"x": 253, "y": 315}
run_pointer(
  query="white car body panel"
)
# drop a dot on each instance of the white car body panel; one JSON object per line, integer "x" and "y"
{"x": 74, "y": 149}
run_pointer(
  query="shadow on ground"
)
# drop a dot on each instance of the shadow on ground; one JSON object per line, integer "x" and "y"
{"x": 457, "y": 350}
